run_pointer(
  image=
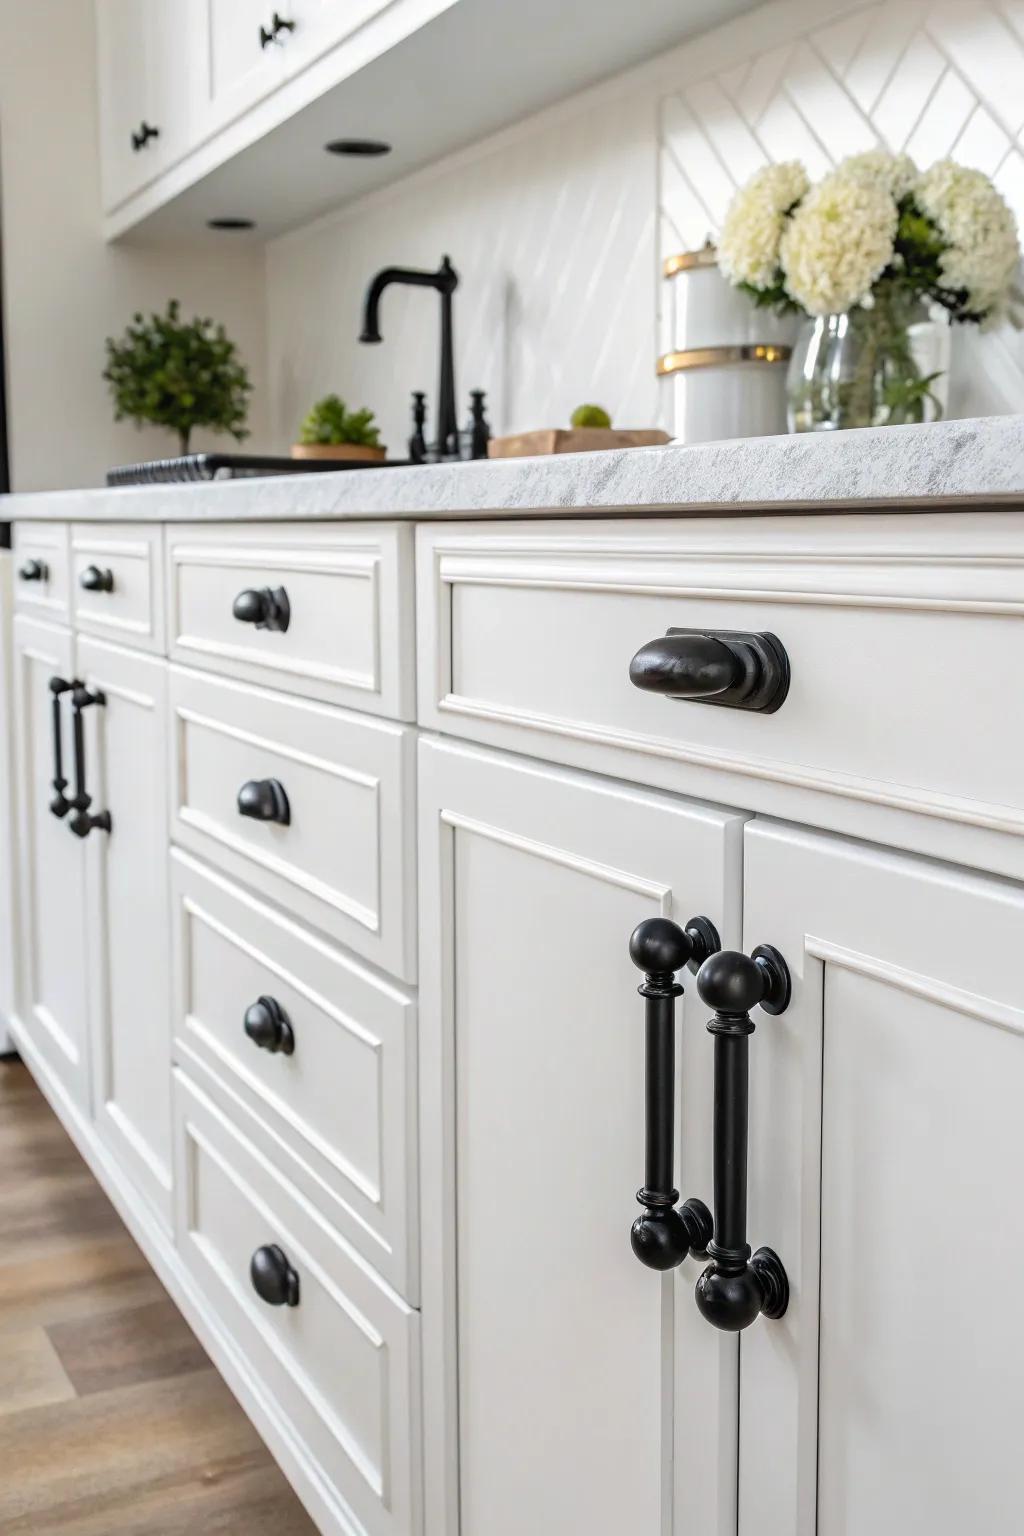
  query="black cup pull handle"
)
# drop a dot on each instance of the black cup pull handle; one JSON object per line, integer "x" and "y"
{"x": 60, "y": 804}
{"x": 84, "y": 821}
{"x": 737, "y": 1286}
{"x": 732, "y": 667}
{"x": 269, "y": 1027}
{"x": 663, "y": 1236}
{"x": 272, "y": 34}
{"x": 34, "y": 570}
{"x": 273, "y": 1278}
{"x": 265, "y": 607}
{"x": 265, "y": 800}
{"x": 92, "y": 579}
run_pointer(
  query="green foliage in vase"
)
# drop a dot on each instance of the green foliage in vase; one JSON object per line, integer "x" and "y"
{"x": 178, "y": 374}
{"x": 329, "y": 424}
{"x": 590, "y": 416}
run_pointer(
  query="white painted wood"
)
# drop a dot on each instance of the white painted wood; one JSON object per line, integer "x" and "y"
{"x": 52, "y": 977}
{"x": 351, "y": 634}
{"x": 132, "y": 613}
{"x": 127, "y": 913}
{"x": 343, "y": 1365}
{"x": 340, "y": 1113}
{"x": 344, "y": 862}
{"x": 555, "y": 1365}
{"x": 47, "y": 543}
{"x": 241, "y": 71}
{"x": 884, "y": 1116}
{"x": 910, "y": 614}
{"x": 321, "y": 25}
{"x": 9, "y": 814}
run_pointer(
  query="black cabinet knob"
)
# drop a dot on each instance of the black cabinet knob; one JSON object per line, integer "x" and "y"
{"x": 92, "y": 579}
{"x": 273, "y": 1278}
{"x": 267, "y": 1026}
{"x": 266, "y": 607}
{"x": 735, "y": 668}
{"x": 141, "y": 138}
{"x": 272, "y": 34}
{"x": 34, "y": 570}
{"x": 264, "y": 800}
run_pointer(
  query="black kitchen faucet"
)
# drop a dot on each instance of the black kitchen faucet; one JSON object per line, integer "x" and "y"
{"x": 445, "y": 280}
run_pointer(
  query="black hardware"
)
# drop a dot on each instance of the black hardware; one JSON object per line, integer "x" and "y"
{"x": 60, "y": 804}
{"x": 230, "y": 222}
{"x": 715, "y": 666}
{"x": 93, "y": 579}
{"x": 278, "y": 24}
{"x": 418, "y": 443}
{"x": 266, "y": 607}
{"x": 34, "y": 570}
{"x": 479, "y": 429}
{"x": 264, "y": 800}
{"x": 83, "y": 821}
{"x": 273, "y": 1278}
{"x": 267, "y": 1026}
{"x": 737, "y": 1285}
{"x": 142, "y": 138}
{"x": 663, "y": 1236}
{"x": 445, "y": 280}
{"x": 365, "y": 149}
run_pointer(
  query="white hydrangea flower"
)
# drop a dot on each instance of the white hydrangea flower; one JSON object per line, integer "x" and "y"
{"x": 895, "y": 174}
{"x": 980, "y": 229}
{"x": 748, "y": 246}
{"x": 838, "y": 243}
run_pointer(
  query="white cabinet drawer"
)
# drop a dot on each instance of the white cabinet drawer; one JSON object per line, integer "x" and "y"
{"x": 117, "y": 586}
{"x": 349, "y": 609}
{"x": 904, "y": 634}
{"x": 335, "y": 1375}
{"x": 344, "y": 859}
{"x": 336, "y": 1099}
{"x": 41, "y": 582}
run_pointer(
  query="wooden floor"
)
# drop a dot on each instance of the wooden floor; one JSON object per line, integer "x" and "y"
{"x": 112, "y": 1420}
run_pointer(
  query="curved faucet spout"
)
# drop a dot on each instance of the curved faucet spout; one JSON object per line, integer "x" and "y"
{"x": 445, "y": 281}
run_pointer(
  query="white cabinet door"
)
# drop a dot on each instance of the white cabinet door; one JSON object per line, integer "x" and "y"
{"x": 52, "y": 976}
{"x": 243, "y": 66}
{"x": 8, "y": 813}
{"x": 567, "y": 1387}
{"x": 321, "y": 24}
{"x": 129, "y": 912}
{"x": 886, "y": 1143}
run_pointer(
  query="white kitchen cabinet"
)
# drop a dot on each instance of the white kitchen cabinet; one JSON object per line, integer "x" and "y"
{"x": 244, "y": 66}
{"x": 9, "y": 950}
{"x": 52, "y": 976}
{"x": 885, "y": 1147}
{"x": 321, "y": 24}
{"x": 127, "y": 906}
{"x": 567, "y": 1387}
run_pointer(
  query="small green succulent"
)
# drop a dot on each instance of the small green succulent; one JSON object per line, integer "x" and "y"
{"x": 590, "y": 416}
{"x": 330, "y": 424}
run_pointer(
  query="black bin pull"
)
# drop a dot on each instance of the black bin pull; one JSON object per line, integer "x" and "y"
{"x": 738, "y": 669}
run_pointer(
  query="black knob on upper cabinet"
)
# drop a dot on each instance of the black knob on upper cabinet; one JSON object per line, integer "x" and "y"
{"x": 273, "y": 1278}
{"x": 267, "y": 1026}
{"x": 265, "y": 607}
{"x": 34, "y": 570}
{"x": 145, "y": 132}
{"x": 92, "y": 579}
{"x": 734, "y": 668}
{"x": 278, "y": 25}
{"x": 264, "y": 800}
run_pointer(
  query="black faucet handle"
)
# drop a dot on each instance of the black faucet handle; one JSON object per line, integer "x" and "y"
{"x": 417, "y": 442}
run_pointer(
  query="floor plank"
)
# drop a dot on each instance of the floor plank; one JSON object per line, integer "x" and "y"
{"x": 113, "y": 1423}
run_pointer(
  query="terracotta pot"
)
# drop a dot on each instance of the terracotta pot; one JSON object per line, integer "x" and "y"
{"x": 352, "y": 452}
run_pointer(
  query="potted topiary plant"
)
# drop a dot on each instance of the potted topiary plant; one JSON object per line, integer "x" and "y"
{"x": 178, "y": 374}
{"x": 330, "y": 431}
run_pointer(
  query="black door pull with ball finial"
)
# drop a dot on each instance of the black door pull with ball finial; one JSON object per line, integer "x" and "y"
{"x": 737, "y": 1285}
{"x": 663, "y": 1236}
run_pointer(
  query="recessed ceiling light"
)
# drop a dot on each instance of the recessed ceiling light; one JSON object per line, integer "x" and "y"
{"x": 365, "y": 147}
{"x": 231, "y": 223}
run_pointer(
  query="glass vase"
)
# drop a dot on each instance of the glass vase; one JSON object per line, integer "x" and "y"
{"x": 878, "y": 367}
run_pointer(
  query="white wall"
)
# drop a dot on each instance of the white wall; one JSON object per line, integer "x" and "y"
{"x": 65, "y": 290}
{"x": 558, "y": 225}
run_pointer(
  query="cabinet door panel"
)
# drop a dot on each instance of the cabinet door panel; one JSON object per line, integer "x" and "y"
{"x": 532, "y": 1060}
{"x": 885, "y": 1143}
{"x": 129, "y": 919}
{"x": 52, "y": 980}
{"x": 242, "y": 71}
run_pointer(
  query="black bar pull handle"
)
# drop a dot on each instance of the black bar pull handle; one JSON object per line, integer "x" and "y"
{"x": 60, "y": 804}
{"x": 737, "y": 1286}
{"x": 663, "y": 1236}
{"x": 84, "y": 821}
{"x": 736, "y": 668}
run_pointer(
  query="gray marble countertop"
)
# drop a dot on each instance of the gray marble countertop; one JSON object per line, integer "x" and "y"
{"x": 947, "y": 463}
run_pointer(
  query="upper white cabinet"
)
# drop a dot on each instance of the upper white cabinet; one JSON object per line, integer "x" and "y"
{"x": 249, "y": 45}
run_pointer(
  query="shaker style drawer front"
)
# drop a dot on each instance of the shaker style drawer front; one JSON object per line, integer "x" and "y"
{"x": 308, "y": 1052}
{"x": 117, "y": 583}
{"x": 40, "y": 558}
{"x": 846, "y": 670}
{"x": 329, "y": 1352}
{"x": 322, "y": 611}
{"x": 309, "y": 805}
